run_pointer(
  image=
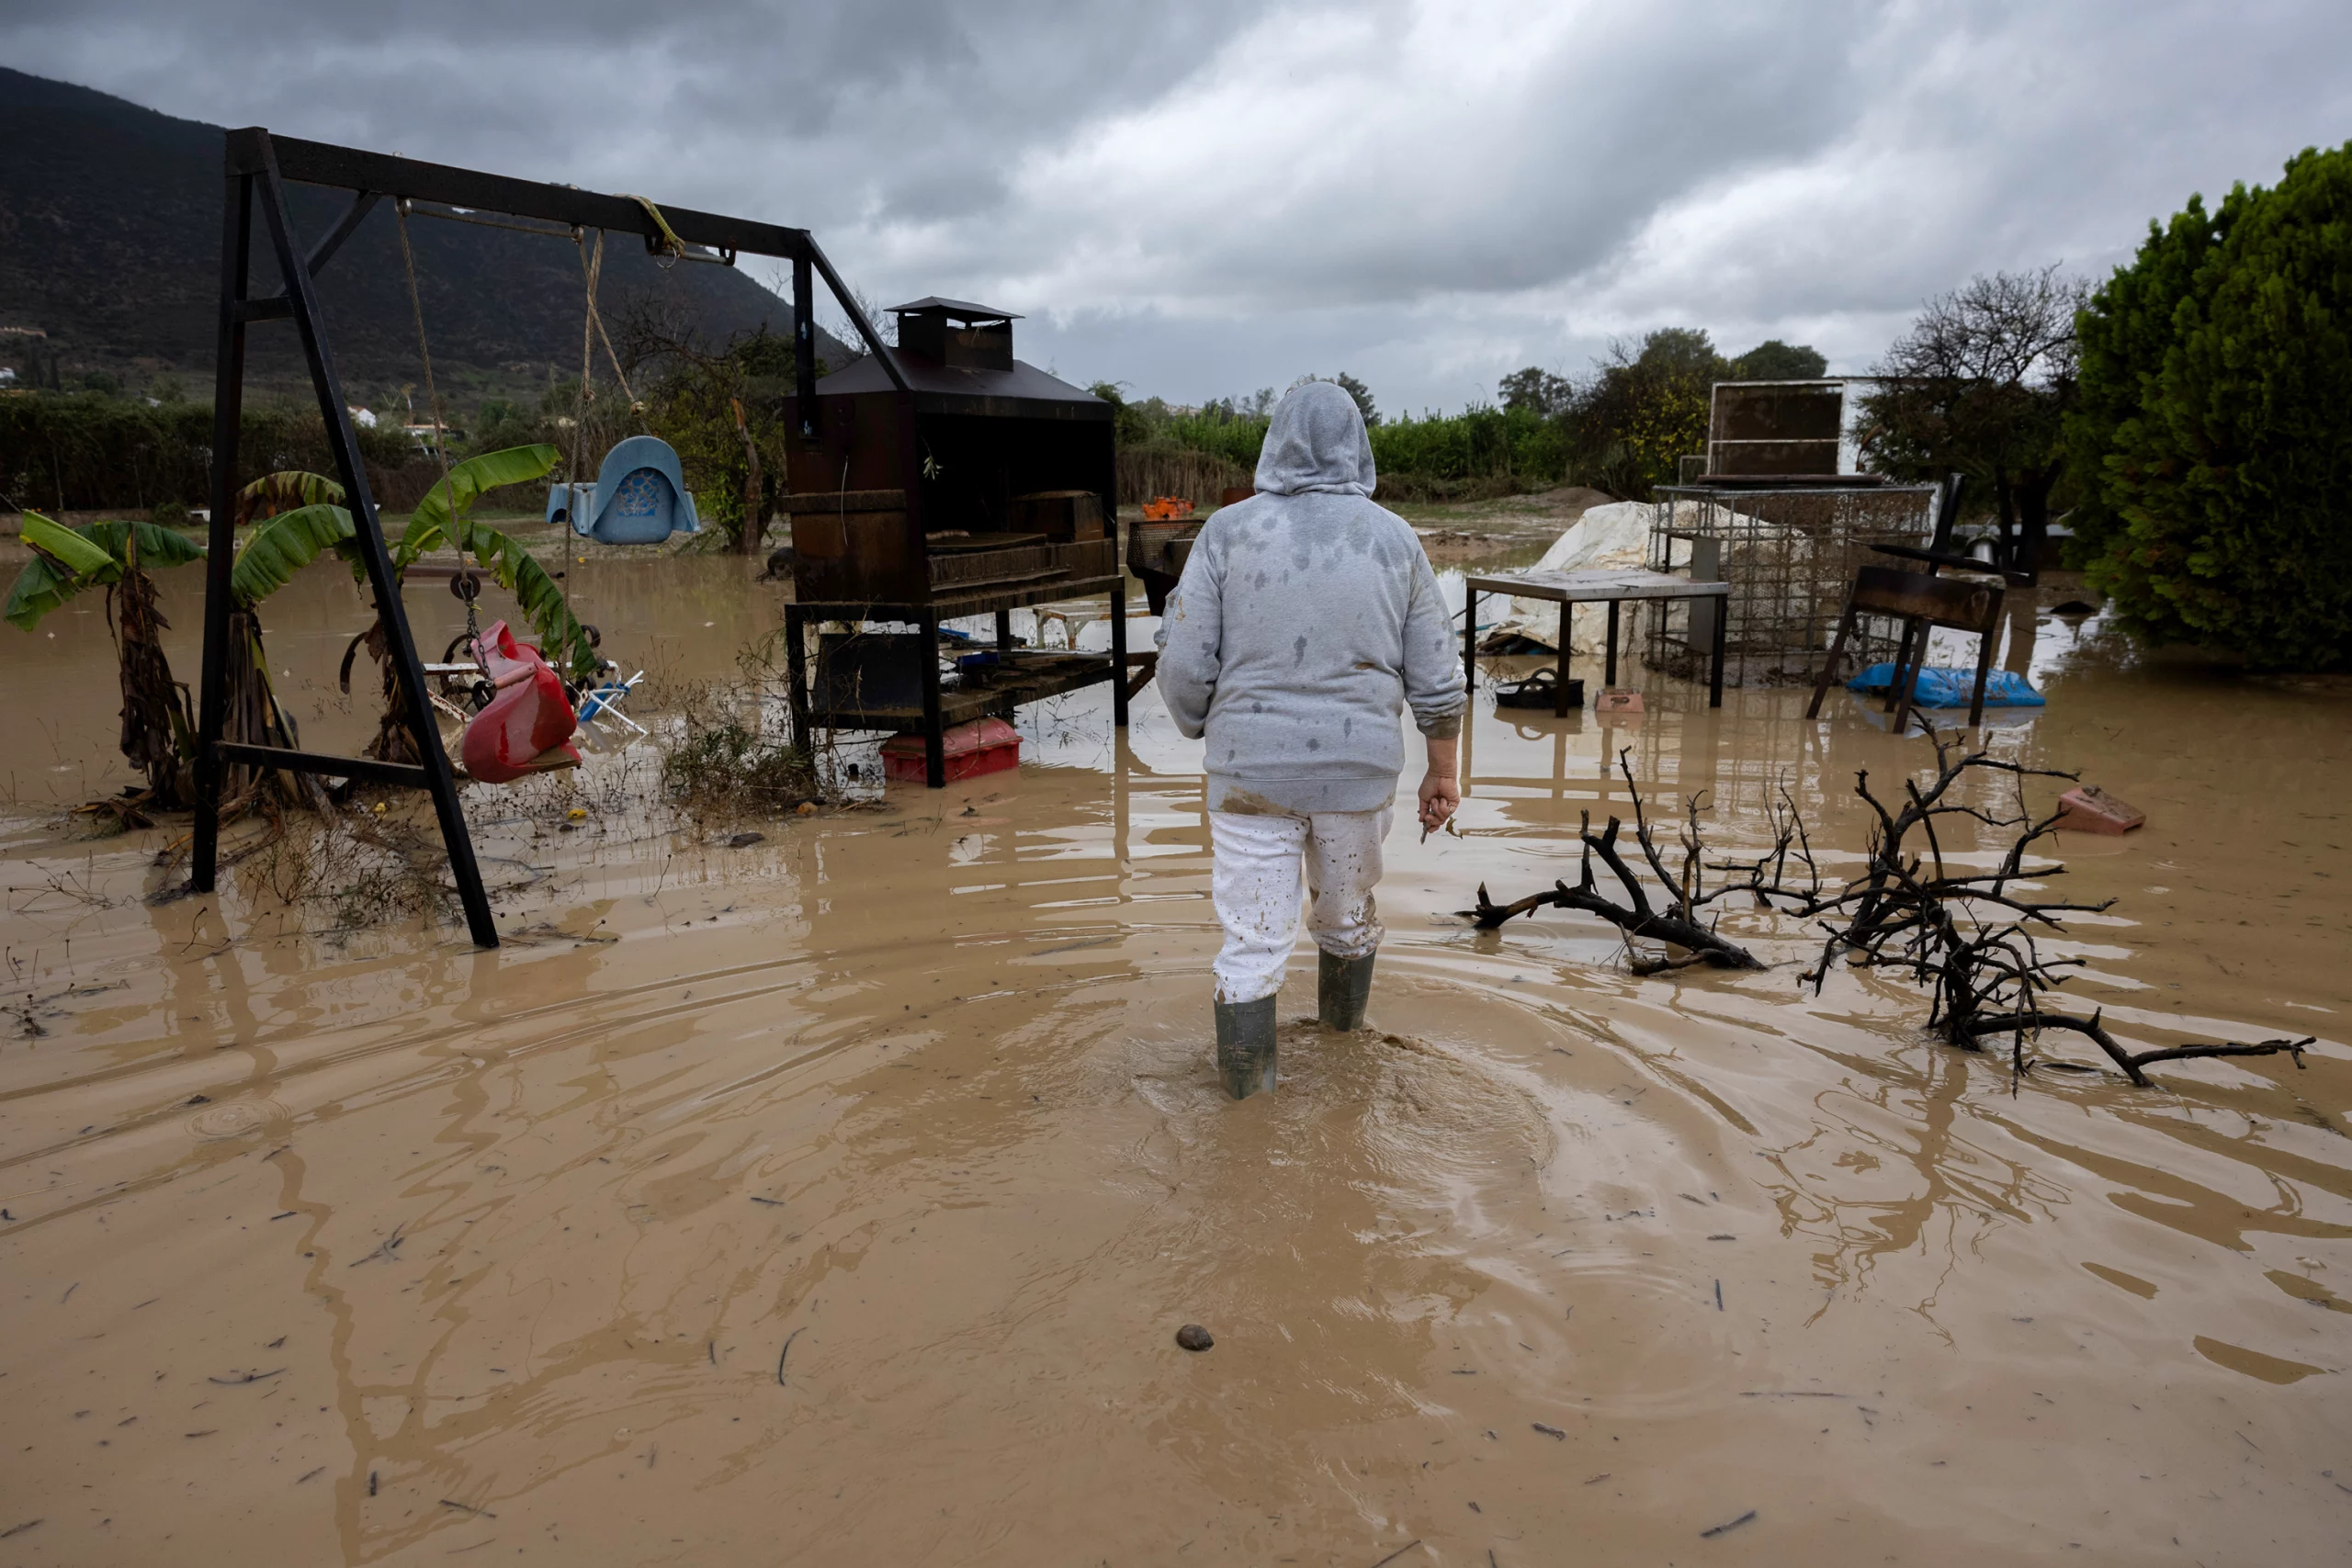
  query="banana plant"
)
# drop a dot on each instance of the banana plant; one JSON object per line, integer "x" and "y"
{"x": 315, "y": 525}
{"x": 158, "y": 734}
{"x": 292, "y": 539}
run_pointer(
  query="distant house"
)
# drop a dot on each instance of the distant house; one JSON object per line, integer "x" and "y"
{"x": 361, "y": 417}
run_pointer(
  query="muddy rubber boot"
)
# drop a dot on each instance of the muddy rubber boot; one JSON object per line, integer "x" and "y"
{"x": 1343, "y": 986}
{"x": 1245, "y": 1046}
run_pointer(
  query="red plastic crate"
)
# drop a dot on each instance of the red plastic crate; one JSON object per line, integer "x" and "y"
{"x": 983, "y": 746}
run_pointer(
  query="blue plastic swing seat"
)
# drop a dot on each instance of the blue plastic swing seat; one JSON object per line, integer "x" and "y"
{"x": 640, "y": 497}
{"x": 1941, "y": 687}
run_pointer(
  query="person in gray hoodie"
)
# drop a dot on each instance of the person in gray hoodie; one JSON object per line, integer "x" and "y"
{"x": 1306, "y": 621}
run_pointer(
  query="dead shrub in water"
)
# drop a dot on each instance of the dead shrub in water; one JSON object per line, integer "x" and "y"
{"x": 716, "y": 763}
{"x": 361, "y": 870}
{"x": 1970, "y": 941}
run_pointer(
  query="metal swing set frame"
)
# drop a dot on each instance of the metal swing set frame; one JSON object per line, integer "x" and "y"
{"x": 258, "y": 168}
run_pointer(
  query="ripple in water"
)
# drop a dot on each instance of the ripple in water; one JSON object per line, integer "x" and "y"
{"x": 239, "y": 1118}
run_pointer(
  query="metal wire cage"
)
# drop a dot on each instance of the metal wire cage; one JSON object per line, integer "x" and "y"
{"x": 1790, "y": 553}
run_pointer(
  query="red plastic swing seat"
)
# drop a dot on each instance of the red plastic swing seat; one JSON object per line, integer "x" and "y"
{"x": 527, "y": 727}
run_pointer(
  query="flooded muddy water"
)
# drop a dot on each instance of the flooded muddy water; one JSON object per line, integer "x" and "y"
{"x": 836, "y": 1198}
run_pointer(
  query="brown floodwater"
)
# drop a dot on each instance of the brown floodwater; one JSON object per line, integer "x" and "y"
{"x": 837, "y": 1198}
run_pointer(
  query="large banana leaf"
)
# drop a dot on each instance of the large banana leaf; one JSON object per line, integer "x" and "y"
{"x": 562, "y": 639}
{"x": 72, "y": 552}
{"x": 87, "y": 554}
{"x": 284, "y": 491}
{"x": 284, "y": 545}
{"x": 439, "y": 519}
{"x": 59, "y": 570}
{"x": 157, "y": 547}
{"x": 39, "y": 589}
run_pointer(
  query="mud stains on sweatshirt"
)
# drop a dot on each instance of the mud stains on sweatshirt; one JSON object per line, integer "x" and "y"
{"x": 1306, "y": 622}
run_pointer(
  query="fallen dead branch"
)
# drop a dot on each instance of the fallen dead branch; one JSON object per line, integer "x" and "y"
{"x": 1973, "y": 940}
{"x": 1676, "y": 925}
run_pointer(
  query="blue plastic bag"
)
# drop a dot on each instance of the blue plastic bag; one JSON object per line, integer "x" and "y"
{"x": 1943, "y": 687}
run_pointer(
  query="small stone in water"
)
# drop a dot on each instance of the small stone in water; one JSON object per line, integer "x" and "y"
{"x": 1192, "y": 1336}
{"x": 741, "y": 840}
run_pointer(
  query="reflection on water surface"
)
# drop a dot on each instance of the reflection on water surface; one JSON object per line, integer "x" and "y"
{"x": 837, "y": 1197}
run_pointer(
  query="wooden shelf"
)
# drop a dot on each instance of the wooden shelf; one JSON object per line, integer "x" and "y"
{"x": 954, "y": 607}
{"x": 1023, "y": 678}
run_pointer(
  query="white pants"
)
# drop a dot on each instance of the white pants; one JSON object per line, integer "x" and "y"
{"x": 1255, "y": 886}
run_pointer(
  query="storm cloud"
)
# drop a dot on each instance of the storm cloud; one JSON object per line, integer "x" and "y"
{"x": 1204, "y": 199}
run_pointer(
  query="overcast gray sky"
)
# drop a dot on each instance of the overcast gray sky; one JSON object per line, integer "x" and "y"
{"x": 1206, "y": 198}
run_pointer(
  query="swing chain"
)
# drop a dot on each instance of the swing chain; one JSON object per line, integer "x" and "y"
{"x": 468, "y": 588}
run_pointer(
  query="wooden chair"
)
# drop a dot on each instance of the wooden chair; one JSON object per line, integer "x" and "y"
{"x": 1920, "y": 601}
{"x": 1939, "y": 552}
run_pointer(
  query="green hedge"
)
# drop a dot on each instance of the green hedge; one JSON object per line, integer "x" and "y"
{"x": 1480, "y": 451}
{"x": 90, "y": 451}
{"x": 2216, "y": 377}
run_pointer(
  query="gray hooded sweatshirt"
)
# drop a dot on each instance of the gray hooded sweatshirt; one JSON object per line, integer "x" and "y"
{"x": 1306, "y": 620}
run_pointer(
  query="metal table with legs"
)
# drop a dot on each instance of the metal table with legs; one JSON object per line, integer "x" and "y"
{"x": 1611, "y": 587}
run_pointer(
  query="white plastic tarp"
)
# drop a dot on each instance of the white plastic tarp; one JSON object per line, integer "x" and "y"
{"x": 1616, "y": 535}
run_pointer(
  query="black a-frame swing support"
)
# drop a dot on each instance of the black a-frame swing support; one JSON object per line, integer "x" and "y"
{"x": 258, "y": 169}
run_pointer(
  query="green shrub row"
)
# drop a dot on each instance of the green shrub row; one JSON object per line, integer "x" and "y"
{"x": 90, "y": 451}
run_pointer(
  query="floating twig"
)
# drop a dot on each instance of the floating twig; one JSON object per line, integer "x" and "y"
{"x": 1727, "y": 1526}
{"x": 780, "y": 1354}
{"x": 386, "y": 1248}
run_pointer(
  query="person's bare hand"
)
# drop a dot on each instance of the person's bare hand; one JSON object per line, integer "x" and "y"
{"x": 1440, "y": 794}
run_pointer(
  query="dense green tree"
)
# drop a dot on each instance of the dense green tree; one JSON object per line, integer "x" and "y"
{"x": 1361, "y": 394}
{"x": 1774, "y": 360}
{"x": 1130, "y": 422}
{"x": 1537, "y": 391}
{"x": 1642, "y": 410}
{"x": 2216, "y": 377}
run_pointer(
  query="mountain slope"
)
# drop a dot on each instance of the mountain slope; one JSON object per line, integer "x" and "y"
{"x": 110, "y": 242}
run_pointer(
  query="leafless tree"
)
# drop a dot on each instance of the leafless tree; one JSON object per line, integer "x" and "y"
{"x": 1981, "y": 383}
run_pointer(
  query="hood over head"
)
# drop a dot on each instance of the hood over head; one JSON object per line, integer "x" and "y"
{"x": 1315, "y": 443}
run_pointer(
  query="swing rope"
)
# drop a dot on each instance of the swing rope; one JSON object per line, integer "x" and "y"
{"x": 424, "y": 351}
{"x": 592, "y": 332}
{"x": 669, "y": 245}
